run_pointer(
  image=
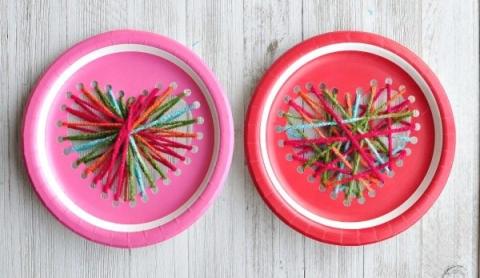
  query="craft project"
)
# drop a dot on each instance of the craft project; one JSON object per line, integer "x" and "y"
{"x": 123, "y": 142}
{"x": 127, "y": 138}
{"x": 349, "y": 138}
{"x": 350, "y": 143}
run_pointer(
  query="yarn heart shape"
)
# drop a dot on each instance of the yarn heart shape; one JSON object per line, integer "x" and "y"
{"x": 350, "y": 143}
{"x": 127, "y": 144}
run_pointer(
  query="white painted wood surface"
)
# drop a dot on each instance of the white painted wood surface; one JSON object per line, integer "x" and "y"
{"x": 239, "y": 236}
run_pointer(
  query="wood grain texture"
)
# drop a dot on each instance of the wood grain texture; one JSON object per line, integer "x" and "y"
{"x": 239, "y": 236}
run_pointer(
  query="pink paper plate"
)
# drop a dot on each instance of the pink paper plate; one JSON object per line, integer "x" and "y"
{"x": 131, "y": 61}
{"x": 347, "y": 61}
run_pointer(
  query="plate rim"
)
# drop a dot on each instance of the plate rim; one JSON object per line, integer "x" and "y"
{"x": 220, "y": 171}
{"x": 318, "y": 231}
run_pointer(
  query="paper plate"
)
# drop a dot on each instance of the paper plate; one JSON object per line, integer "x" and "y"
{"x": 347, "y": 61}
{"x": 130, "y": 61}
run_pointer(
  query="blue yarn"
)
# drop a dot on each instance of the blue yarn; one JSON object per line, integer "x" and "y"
{"x": 92, "y": 144}
{"x": 114, "y": 102}
{"x": 138, "y": 177}
{"x": 166, "y": 118}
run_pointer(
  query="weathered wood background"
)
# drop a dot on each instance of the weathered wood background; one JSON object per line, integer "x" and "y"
{"x": 239, "y": 236}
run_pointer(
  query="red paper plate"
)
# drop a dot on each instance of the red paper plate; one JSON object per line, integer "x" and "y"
{"x": 347, "y": 61}
{"x": 129, "y": 62}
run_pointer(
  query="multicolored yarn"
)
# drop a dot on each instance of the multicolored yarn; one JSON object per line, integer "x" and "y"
{"x": 350, "y": 147}
{"x": 126, "y": 144}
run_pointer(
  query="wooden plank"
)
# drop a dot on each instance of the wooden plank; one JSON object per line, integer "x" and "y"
{"x": 270, "y": 28}
{"x": 216, "y": 245}
{"x": 450, "y": 229}
{"x": 34, "y": 240}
